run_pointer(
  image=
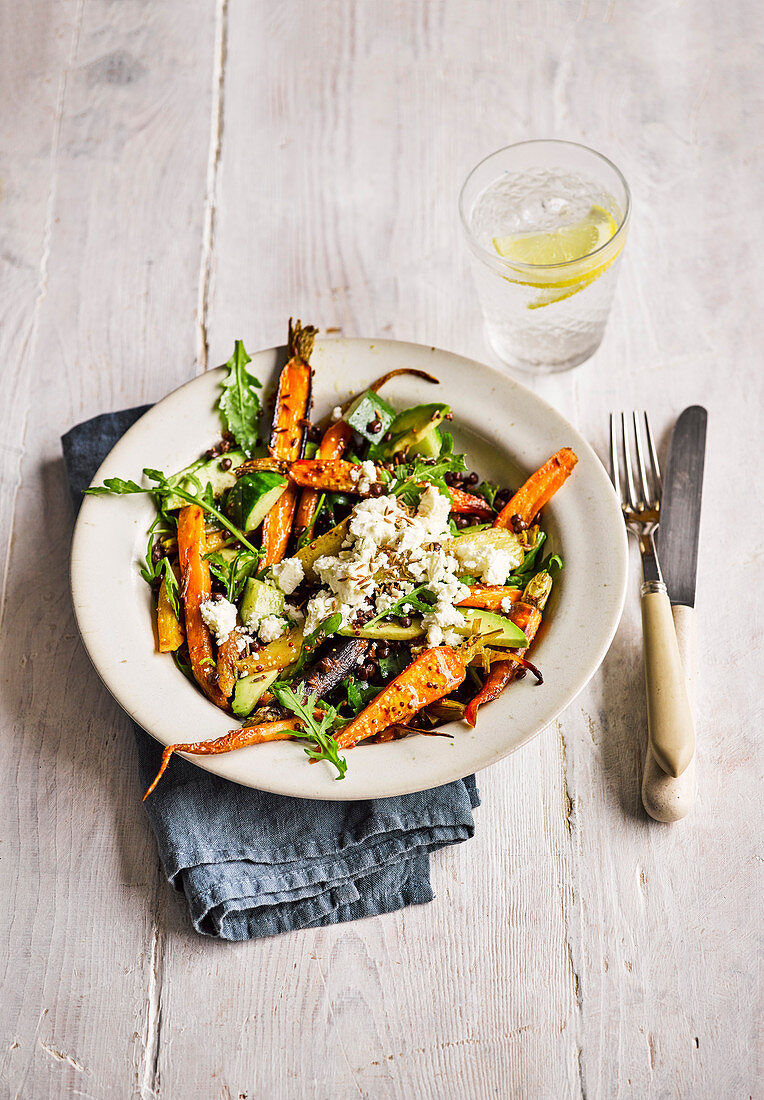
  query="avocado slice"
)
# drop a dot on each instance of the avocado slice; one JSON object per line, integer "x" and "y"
{"x": 260, "y": 599}
{"x": 253, "y": 496}
{"x": 370, "y": 408}
{"x": 502, "y": 630}
{"x": 411, "y": 425}
{"x": 429, "y": 446}
{"x": 386, "y": 631}
{"x": 204, "y": 472}
{"x": 248, "y": 691}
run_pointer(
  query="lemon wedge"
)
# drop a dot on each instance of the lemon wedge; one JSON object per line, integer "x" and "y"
{"x": 560, "y": 246}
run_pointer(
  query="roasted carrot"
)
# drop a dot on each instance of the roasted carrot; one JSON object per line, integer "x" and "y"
{"x": 429, "y": 677}
{"x": 227, "y": 665}
{"x": 490, "y": 596}
{"x": 195, "y": 590}
{"x": 234, "y": 739}
{"x": 290, "y": 420}
{"x": 467, "y": 503}
{"x": 334, "y": 474}
{"x": 335, "y": 440}
{"x": 526, "y": 615}
{"x": 540, "y": 487}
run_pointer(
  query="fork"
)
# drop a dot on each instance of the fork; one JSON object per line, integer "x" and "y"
{"x": 671, "y": 732}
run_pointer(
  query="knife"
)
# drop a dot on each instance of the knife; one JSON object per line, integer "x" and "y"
{"x": 666, "y": 798}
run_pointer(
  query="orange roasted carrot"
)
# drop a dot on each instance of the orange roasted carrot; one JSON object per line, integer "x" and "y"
{"x": 332, "y": 474}
{"x": 235, "y": 739}
{"x": 528, "y": 618}
{"x": 335, "y": 440}
{"x": 490, "y": 596}
{"x": 195, "y": 590}
{"x": 537, "y": 490}
{"x": 468, "y": 503}
{"x": 288, "y": 434}
{"x": 429, "y": 677}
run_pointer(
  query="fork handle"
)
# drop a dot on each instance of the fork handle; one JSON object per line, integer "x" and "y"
{"x": 671, "y": 732}
{"x": 664, "y": 798}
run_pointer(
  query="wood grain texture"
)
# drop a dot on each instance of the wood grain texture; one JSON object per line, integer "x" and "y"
{"x": 175, "y": 176}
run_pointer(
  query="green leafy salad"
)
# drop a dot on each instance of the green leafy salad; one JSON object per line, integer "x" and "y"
{"x": 344, "y": 580}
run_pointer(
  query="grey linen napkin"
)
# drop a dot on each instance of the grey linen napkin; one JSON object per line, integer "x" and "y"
{"x": 254, "y": 864}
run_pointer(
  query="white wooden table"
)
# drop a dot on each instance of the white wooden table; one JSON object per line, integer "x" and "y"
{"x": 175, "y": 174}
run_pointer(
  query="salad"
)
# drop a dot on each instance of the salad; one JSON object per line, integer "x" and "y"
{"x": 343, "y": 581}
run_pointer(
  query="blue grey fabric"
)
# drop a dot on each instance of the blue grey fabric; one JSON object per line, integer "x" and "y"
{"x": 254, "y": 864}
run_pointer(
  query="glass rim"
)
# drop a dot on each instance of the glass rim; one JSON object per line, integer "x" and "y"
{"x": 493, "y": 258}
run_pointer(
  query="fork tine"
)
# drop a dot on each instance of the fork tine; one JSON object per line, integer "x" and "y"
{"x": 656, "y": 470}
{"x": 640, "y": 460}
{"x": 615, "y": 474}
{"x": 627, "y": 463}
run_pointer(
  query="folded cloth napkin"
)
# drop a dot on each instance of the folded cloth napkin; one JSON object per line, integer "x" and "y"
{"x": 254, "y": 864}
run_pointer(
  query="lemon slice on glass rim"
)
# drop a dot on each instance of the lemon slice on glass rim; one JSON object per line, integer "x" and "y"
{"x": 572, "y": 245}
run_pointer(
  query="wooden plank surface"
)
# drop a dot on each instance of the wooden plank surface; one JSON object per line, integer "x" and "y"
{"x": 178, "y": 175}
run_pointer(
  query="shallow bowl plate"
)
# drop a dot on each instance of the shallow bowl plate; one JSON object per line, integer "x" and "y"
{"x": 507, "y": 432}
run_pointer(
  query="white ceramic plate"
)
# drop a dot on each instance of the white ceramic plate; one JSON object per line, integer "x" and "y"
{"x": 507, "y": 432}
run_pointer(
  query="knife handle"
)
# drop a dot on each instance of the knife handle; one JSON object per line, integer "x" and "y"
{"x": 664, "y": 797}
{"x": 671, "y": 732}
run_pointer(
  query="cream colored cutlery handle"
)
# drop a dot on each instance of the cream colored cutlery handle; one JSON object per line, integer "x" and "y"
{"x": 671, "y": 732}
{"x": 665, "y": 798}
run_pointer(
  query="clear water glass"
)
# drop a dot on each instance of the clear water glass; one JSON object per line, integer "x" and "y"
{"x": 545, "y": 199}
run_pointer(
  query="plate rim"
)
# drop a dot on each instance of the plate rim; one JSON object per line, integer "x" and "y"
{"x": 216, "y": 764}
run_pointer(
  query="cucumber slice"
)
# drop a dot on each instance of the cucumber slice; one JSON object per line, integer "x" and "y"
{"x": 249, "y": 691}
{"x": 369, "y": 408}
{"x": 205, "y": 471}
{"x": 260, "y": 599}
{"x": 253, "y": 496}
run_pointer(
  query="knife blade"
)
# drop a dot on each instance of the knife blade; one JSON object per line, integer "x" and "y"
{"x": 679, "y": 530}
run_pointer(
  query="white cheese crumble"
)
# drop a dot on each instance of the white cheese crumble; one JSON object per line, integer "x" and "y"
{"x": 389, "y": 551}
{"x": 337, "y": 413}
{"x": 220, "y": 617}
{"x": 507, "y": 604}
{"x": 492, "y": 564}
{"x": 271, "y": 628}
{"x": 288, "y": 574}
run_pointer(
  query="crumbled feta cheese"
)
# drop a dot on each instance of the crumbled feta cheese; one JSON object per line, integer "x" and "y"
{"x": 388, "y": 552}
{"x": 288, "y": 574}
{"x": 271, "y": 628}
{"x": 220, "y": 617}
{"x": 294, "y": 614}
{"x": 242, "y": 640}
{"x": 368, "y": 477}
{"x": 492, "y": 564}
{"x": 506, "y": 604}
{"x": 337, "y": 413}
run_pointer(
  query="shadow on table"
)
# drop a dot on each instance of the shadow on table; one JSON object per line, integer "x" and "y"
{"x": 623, "y": 721}
{"x": 72, "y": 739}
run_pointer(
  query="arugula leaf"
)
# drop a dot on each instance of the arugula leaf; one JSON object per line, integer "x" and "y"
{"x": 467, "y": 578}
{"x": 318, "y": 731}
{"x": 389, "y": 667}
{"x": 520, "y": 577}
{"x": 239, "y": 402}
{"x": 233, "y": 574}
{"x": 411, "y": 599}
{"x": 409, "y": 475}
{"x": 358, "y": 694}
{"x": 311, "y": 643}
{"x": 488, "y": 490}
{"x": 171, "y": 586}
{"x": 116, "y": 485}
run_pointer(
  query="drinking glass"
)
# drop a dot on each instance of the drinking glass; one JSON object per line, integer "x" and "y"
{"x": 546, "y": 223}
